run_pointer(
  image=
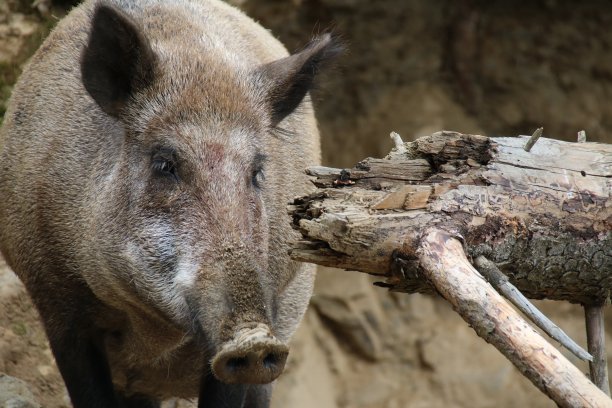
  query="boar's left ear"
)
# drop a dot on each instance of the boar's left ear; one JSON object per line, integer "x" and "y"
{"x": 117, "y": 61}
{"x": 292, "y": 77}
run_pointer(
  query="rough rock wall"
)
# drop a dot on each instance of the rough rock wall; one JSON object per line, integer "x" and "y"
{"x": 413, "y": 67}
{"x": 493, "y": 67}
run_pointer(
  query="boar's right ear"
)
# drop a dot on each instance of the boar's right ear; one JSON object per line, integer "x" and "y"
{"x": 117, "y": 60}
{"x": 292, "y": 77}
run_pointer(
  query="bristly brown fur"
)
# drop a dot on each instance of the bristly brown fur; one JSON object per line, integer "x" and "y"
{"x": 136, "y": 206}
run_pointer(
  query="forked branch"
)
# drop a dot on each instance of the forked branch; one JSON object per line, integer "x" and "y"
{"x": 446, "y": 266}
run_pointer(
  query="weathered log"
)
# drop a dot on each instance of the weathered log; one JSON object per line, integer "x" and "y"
{"x": 544, "y": 217}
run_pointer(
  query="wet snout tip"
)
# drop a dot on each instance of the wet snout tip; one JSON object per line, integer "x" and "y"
{"x": 254, "y": 356}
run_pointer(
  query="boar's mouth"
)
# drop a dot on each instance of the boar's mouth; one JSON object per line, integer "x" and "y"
{"x": 252, "y": 356}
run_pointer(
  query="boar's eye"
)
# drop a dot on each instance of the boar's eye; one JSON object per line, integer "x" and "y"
{"x": 164, "y": 163}
{"x": 258, "y": 176}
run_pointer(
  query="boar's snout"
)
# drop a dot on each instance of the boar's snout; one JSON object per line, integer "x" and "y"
{"x": 253, "y": 356}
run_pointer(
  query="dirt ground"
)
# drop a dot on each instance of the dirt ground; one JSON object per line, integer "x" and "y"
{"x": 414, "y": 67}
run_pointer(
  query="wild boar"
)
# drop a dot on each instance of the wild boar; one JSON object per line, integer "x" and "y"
{"x": 147, "y": 157}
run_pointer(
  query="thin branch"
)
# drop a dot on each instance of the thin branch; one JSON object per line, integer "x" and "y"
{"x": 596, "y": 340}
{"x": 322, "y": 171}
{"x": 399, "y": 143}
{"x": 533, "y": 139}
{"x": 500, "y": 282}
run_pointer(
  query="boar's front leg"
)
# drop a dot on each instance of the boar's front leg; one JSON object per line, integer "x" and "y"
{"x": 215, "y": 394}
{"x": 84, "y": 368}
{"x": 138, "y": 401}
{"x": 258, "y": 396}
{"x": 66, "y": 309}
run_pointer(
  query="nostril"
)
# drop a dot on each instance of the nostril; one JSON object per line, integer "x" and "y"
{"x": 252, "y": 356}
{"x": 270, "y": 360}
{"x": 237, "y": 363}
